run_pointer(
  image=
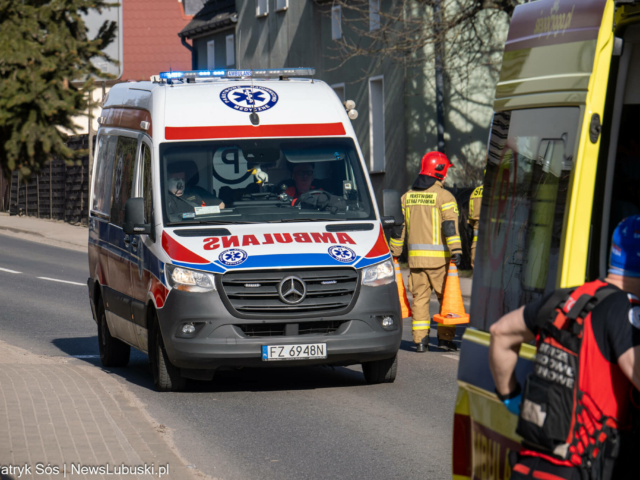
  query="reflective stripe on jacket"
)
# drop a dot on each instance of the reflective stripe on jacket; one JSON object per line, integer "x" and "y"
{"x": 424, "y": 213}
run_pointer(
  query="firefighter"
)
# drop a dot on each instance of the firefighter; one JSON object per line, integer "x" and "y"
{"x": 475, "y": 203}
{"x": 576, "y": 409}
{"x": 431, "y": 231}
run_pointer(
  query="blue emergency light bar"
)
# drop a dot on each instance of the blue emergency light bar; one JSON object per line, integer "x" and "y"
{"x": 265, "y": 73}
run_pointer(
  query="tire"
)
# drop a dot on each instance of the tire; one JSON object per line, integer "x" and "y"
{"x": 113, "y": 352}
{"x": 380, "y": 371}
{"x": 166, "y": 376}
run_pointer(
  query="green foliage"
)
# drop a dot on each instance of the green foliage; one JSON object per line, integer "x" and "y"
{"x": 43, "y": 48}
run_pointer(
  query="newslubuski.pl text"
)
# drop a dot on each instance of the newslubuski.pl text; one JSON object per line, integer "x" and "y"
{"x": 18, "y": 471}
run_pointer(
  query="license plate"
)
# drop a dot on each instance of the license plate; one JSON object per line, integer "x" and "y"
{"x": 293, "y": 352}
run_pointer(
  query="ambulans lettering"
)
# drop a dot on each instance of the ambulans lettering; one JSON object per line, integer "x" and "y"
{"x": 554, "y": 364}
{"x": 230, "y": 242}
{"x": 344, "y": 238}
{"x": 249, "y": 240}
{"x": 421, "y": 199}
{"x": 213, "y": 243}
{"x": 283, "y": 237}
{"x": 322, "y": 237}
{"x": 302, "y": 237}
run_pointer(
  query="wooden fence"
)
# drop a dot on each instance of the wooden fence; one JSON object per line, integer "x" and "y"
{"x": 60, "y": 192}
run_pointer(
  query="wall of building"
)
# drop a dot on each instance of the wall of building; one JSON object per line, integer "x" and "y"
{"x": 301, "y": 37}
{"x": 200, "y": 46}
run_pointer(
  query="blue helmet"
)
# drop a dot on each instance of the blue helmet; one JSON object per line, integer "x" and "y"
{"x": 625, "y": 248}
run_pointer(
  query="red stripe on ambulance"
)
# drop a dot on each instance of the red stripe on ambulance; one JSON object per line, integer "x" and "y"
{"x": 249, "y": 131}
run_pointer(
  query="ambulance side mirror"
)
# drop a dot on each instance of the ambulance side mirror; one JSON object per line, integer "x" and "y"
{"x": 391, "y": 208}
{"x": 134, "y": 218}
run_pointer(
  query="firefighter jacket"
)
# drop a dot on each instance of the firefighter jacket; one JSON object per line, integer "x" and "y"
{"x": 430, "y": 227}
{"x": 474, "y": 211}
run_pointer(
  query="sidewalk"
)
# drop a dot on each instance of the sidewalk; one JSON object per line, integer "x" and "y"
{"x": 64, "y": 413}
{"x": 51, "y": 232}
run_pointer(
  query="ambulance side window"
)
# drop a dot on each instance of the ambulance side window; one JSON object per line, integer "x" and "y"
{"x": 147, "y": 184}
{"x": 122, "y": 177}
{"x": 525, "y": 196}
{"x": 104, "y": 175}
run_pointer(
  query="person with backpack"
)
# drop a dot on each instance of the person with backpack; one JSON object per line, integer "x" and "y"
{"x": 579, "y": 406}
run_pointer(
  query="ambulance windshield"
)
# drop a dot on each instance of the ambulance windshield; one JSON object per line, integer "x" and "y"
{"x": 261, "y": 181}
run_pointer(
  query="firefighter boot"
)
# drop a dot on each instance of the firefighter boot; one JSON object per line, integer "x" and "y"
{"x": 421, "y": 339}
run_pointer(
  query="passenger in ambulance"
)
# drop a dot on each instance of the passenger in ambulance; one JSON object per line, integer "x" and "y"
{"x": 184, "y": 192}
{"x": 303, "y": 177}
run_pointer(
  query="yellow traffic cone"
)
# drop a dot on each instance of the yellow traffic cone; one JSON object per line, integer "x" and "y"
{"x": 404, "y": 301}
{"x": 452, "y": 309}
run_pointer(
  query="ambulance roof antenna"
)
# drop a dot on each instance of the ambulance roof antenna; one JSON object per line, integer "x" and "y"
{"x": 255, "y": 119}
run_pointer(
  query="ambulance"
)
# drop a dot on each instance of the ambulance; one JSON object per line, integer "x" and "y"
{"x": 563, "y": 169}
{"x": 233, "y": 224}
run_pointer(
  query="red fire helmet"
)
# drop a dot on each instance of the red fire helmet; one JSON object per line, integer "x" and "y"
{"x": 435, "y": 164}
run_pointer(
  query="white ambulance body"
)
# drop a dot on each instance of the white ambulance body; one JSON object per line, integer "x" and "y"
{"x": 233, "y": 224}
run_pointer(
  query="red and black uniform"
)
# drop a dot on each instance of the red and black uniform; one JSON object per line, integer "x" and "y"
{"x": 576, "y": 408}
{"x": 292, "y": 191}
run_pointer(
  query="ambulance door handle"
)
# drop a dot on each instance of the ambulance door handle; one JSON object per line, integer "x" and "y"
{"x": 134, "y": 245}
{"x": 127, "y": 240}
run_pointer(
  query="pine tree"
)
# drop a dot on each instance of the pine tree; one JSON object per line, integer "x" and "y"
{"x": 43, "y": 49}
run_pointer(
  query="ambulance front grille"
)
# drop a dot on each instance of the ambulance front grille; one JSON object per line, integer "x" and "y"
{"x": 278, "y": 329}
{"x": 330, "y": 291}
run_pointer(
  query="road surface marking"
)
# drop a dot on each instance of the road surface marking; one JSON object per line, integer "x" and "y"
{"x": 8, "y": 271}
{"x": 62, "y": 281}
{"x": 455, "y": 357}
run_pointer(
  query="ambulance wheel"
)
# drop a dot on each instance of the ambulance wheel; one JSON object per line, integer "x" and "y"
{"x": 113, "y": 352}
{"x": 380, "y": 371}
{"x": 166, "y": 376}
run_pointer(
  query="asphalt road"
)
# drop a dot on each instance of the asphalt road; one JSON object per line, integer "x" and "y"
{"x": 288, "y": 423}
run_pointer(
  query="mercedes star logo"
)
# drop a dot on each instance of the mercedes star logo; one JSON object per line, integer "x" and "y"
{"x": 292, "y": 290}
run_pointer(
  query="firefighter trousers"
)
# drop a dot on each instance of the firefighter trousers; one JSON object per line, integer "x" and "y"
{"x": 422, "y": 281}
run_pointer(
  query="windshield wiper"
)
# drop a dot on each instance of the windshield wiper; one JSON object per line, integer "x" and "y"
{"x": 294, "y": 220}
{"x": 209, "y": 222}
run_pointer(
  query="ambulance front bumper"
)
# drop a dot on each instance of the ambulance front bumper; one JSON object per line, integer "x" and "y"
{"x": 223, "y": 340}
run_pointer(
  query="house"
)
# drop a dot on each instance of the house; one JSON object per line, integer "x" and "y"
{"x": 212, "y": 31}
{"x": 397, "y": 106}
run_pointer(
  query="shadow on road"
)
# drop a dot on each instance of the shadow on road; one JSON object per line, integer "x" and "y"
{"x": 239, "y": 380}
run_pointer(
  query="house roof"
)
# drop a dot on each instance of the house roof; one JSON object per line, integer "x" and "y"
{"x": 214, "y": 15}
{"x": 192, "y": 7}
{"x": 150, "y": 44}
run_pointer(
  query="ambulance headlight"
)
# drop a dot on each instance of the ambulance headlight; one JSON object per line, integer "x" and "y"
{"x": 189, "y": 280}
{"x": 380, "y": 274}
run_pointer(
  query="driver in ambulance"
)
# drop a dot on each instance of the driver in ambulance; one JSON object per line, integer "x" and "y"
{"x": 183, "y": 178}
{"x": 303, "y": 177}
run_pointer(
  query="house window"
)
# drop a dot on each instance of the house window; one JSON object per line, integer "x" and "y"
{"x": 374, "y": 15}
{"x": 336, "y": 22}
{"x": 262, "y": 8}
{"x": 282, "y": 5}
{"x": 211, "y": 54}
{"x": 376, "y": 123}
{"x": 339, "y": 89}
{"x": 231, "y": 53}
